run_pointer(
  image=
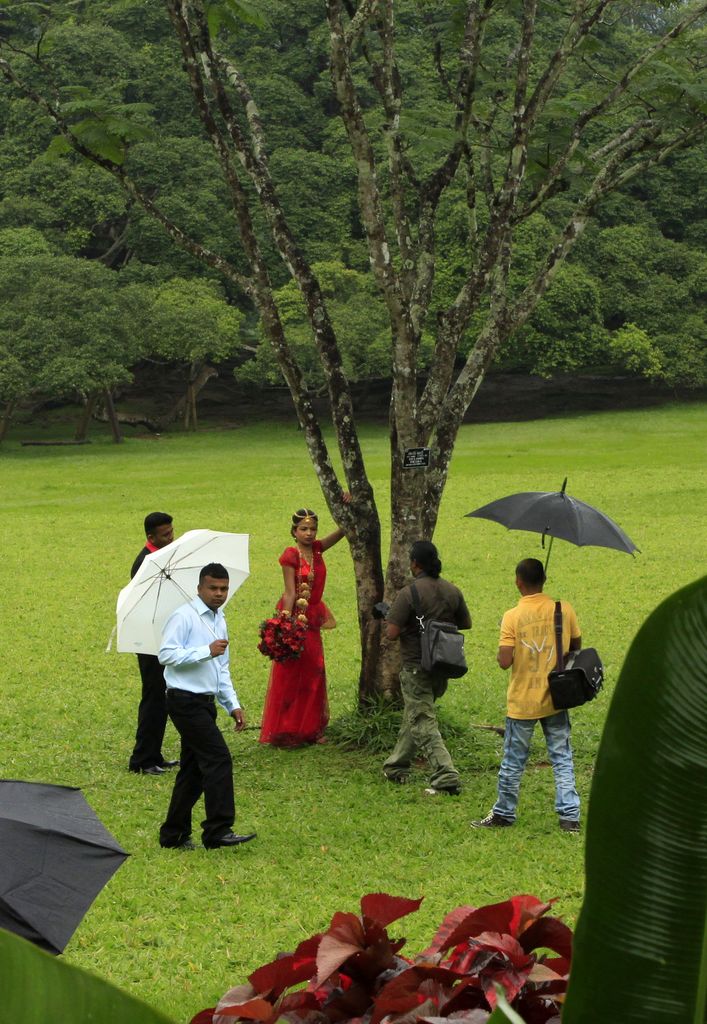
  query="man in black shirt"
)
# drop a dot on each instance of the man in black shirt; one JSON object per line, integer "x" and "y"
{"x": 146, "y": 758}
{"x": 419, "y": 732}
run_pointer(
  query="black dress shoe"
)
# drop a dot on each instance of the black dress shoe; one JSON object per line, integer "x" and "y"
{"x": 186, "y": 844}
{"x": 154, "y": 769}
{"x": 166, "y": 765}
{"x": 230, "y": 839}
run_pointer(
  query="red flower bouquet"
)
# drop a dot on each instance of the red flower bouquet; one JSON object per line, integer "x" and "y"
{"x": 282, "y": 638}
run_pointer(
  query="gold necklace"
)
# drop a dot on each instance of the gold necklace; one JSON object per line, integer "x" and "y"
{"x": 304, "y": 587}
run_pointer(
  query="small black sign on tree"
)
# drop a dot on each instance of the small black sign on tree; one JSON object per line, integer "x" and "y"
{"x": 416, "y": 458}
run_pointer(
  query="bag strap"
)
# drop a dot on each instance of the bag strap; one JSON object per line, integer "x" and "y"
{"x": 417, "y": 608}
{"x": 560, "y": 666}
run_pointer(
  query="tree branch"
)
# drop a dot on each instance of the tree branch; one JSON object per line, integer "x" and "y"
{"x": 404, "y": 394}
{"x": 358, "y": 23}
{"x": 196, "y": 46}
{"x": 599, "y": 108}
{"x": 369, "y": 193}
{"x": 451, "y": 414}
{"x": 391, "y": 94}
{"x": 577, "y": 30}
{"x": 442, "y": 365}
{"x": 505, "y": 319}
{"x": 661, "y": 155}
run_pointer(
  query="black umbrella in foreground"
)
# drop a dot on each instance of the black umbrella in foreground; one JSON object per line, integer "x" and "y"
{"x": 55, "y": 857}
{"x": 556, "y": 514}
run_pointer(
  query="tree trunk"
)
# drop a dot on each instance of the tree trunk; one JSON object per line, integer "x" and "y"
{"x": 6, "y": 419}
{"x": 194, "y": 423}
{"x": 407, "y": 490}
{"x": 190, "y": 400}
{"x": 407, "y": 508}
{"x": 85, "y": 417}
{"x": 112, "y": 418}
{"x": 406, "y": 518}
{"x": 368, "y": 573}
{"x": 133, "y": 420}
{"x": 186, "y": 406}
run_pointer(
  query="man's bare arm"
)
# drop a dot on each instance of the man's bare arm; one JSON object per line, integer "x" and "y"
{"x": 505, "y": 657}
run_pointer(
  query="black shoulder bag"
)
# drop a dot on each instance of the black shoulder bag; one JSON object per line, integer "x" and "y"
{"x": 441, "y": 644}
{"x": 579, "y": 679}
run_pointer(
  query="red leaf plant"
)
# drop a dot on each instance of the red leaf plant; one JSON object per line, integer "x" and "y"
{"x": 353, "y": 973}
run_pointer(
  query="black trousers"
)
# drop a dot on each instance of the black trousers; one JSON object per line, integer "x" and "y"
{"x": 151, "y": 715}
{"x": 206, "y": 767}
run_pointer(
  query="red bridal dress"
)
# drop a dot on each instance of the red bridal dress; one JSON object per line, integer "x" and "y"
{"x": 296, "y": 708}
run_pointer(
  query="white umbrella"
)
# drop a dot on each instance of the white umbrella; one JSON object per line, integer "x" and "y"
{"x": 168, "y": 578}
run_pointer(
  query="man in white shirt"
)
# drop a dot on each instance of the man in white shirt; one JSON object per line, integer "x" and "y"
{"x": 194, "y": 653}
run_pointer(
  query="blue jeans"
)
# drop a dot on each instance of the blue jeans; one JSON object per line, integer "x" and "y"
{"x": 516, "y": 747}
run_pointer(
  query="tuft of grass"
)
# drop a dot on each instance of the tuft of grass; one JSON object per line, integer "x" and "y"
{"x": 372, "y": 728}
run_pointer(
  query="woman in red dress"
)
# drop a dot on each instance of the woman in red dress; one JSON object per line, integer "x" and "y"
{"x": 296, "y": 710}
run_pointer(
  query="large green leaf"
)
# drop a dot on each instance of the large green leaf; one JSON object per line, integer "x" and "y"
{"x": 233, "y": 14}
{"x": 504, "y": 1012}
{"x": 640, "y": 950}
{"x": 36, "y": 987}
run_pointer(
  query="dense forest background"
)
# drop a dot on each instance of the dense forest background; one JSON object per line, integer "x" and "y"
{"x": 91, "y": 287}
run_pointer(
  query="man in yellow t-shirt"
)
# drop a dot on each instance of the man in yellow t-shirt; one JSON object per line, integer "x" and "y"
{"x": 527, "y": 645}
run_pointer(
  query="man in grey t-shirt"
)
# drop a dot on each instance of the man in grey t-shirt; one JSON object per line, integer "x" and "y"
{"x": 419, "y": 732}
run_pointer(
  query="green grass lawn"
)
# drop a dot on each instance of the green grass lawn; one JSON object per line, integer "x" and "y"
{"x": 178, "y": 929}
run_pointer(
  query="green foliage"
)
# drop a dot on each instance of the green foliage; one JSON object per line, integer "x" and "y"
{"x": 231, "y": 14}
{"x": 37, "y": 986}
{"x": 374, "y": 728}
{"x": 291, "y": 117}
{"x": 503, "y": 1011}
{"x": 118, "y": 74}
{"x": 168, "y": 169}
{"x": 359, "y": 318}
{"x": 641, "y": 941}
{"x": 103, "y": 126}
{"x": 189, "y": 321}
{"x": 676, "y": 196}
{"x": 653, "y": 284}
{"x": 315, "y": 192}
{"x": 16, "y": 378}
{"x": 77, "y": 208}
{"x": 566, "y": 331}
{"x": 632, "y": 349}
{"x": 62, "y": 327}
{"x": 22, "y": 243}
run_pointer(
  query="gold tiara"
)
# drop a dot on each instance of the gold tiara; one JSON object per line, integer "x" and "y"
{"x": 307, "y": 521}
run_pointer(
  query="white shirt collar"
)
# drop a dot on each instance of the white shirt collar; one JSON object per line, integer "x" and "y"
{"x": 199, "y": 607}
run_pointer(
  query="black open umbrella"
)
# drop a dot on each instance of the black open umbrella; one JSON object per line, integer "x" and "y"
{"x": 556, "y": 514}
{"x": 55, "y": 857}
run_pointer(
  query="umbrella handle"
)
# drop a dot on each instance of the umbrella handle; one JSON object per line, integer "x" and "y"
{"x": 549, "y": 550}
{"x": 111, "y": 638}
